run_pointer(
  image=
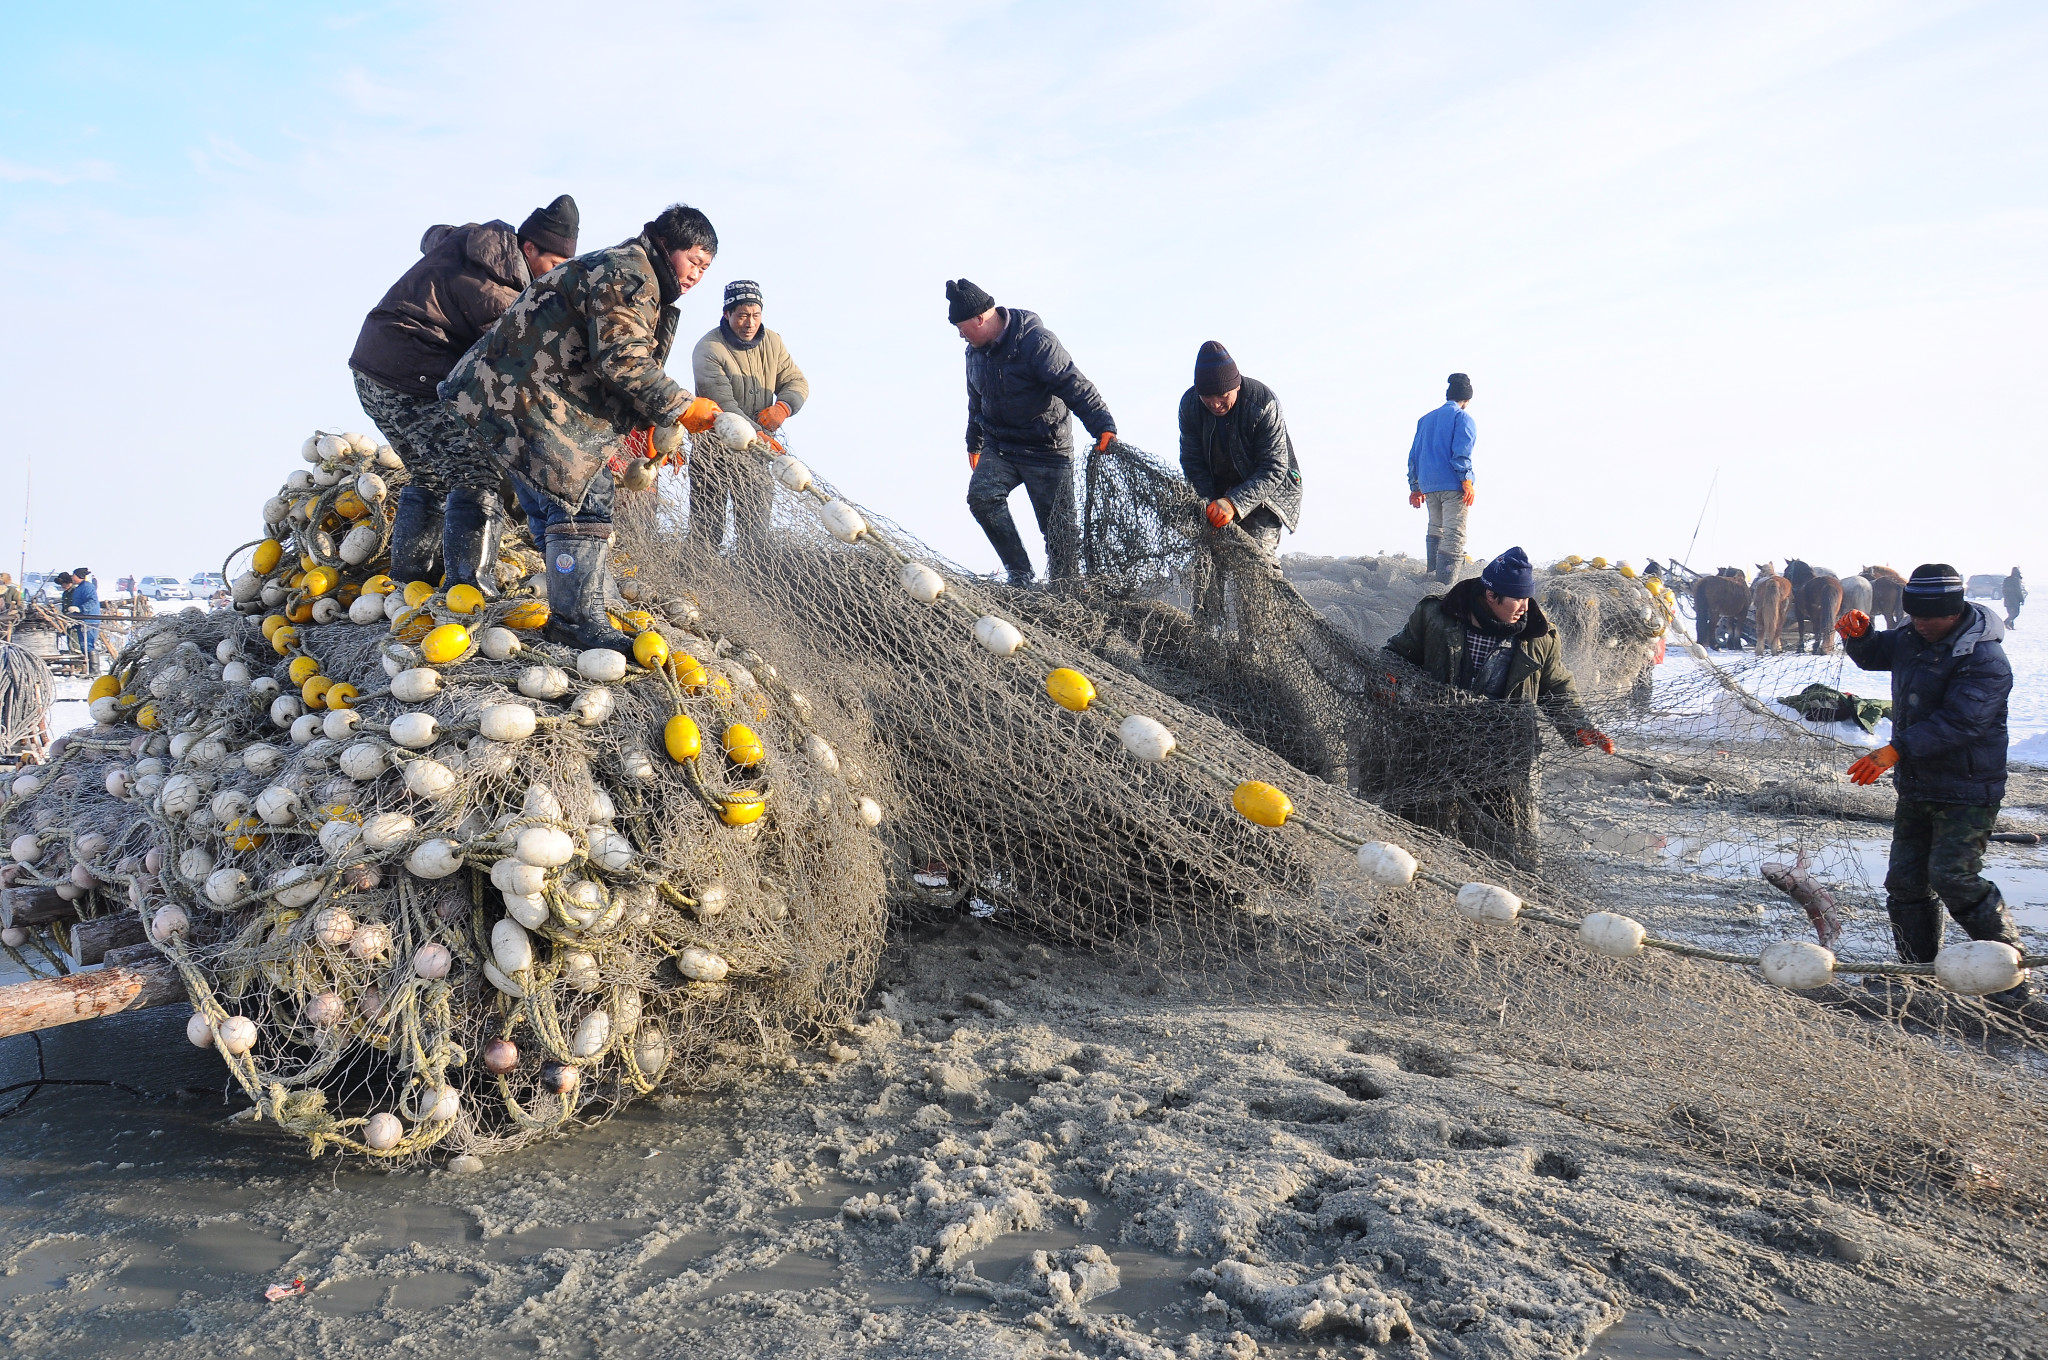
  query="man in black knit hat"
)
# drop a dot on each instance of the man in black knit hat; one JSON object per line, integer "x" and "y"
{"x": 1950, "y": 685}
{"x": 1237, "y": 455}
{"x": 1021, "y": 386}
{"x": 446, "y": 518}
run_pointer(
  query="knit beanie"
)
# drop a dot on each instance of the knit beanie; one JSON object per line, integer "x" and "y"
{"x": 553, "y": 229}
{"x": 1509, "y": 575}
{"x": 965, "y": 301}
{"x": 740, "y": 292}
{"x": 1215, "y": 371}
{"x": 1935, "y": 592}
{"x": 1459, "y": 389}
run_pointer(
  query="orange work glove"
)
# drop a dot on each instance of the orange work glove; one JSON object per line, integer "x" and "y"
{"x": 1469, "y": 497}
{"x": 698, "y": 415}
{"x": 1853, "y": 624}
{"x": 772, "y": 417}
{"x": 1592, "y": 736}
{"x": 1221, "y": 512}
{"x": 1415, "y": 499}
{"x": 1108, "y": 438}
{"x": 1871, "y": 768}
{"x": 973, "y": 459}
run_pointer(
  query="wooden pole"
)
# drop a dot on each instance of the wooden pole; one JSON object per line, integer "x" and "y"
{"x": 90, "y": 940}
{"x": 133, "y": 978}
{"x": 32, "y": 906}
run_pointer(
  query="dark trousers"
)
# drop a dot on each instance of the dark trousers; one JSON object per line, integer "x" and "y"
{"x": 1049, "y": 482}
{"x": 1937, "y": 860}
{"x": 718, "y": 476}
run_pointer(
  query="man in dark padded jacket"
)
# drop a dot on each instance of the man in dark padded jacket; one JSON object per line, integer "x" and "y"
{"x": 1950, "y": 684}
{"x": 462, "y": 283}
{"x": 1021, "y": 386}
{"x": 1237, "y": 455}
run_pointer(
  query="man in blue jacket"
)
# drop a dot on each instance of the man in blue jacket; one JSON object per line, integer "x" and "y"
{"x": 1440, "y": 475}
{"x": 1021, "y": 385}
{"x": 83, "y": 602}
{"x": 1950, "y": 683}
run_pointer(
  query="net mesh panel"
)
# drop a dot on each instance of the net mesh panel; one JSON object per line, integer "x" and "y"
{"x": 991, "y": 794}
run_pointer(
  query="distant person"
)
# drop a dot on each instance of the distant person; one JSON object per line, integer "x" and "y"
{"x": 82, "y": 601}
{"x": 745, "y": 368}
{"x": 561, "y": 380}
{"x": 1021, "y": 385}
{"x": 13, "y": 602}
{"x": 2015, "y": 595}
{"x": 465, "y": 278}
{"x": 1950, "y": 685}
{"x": 1440, "y": 476}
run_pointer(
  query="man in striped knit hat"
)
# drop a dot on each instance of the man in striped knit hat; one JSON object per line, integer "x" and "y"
{"x": 1950, "y": 684}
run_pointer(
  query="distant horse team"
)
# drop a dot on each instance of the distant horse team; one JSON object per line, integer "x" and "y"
{"x": 1792, "y": 610}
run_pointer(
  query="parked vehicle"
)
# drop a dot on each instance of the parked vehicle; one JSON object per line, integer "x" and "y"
{"x": 206, "y": 582}
{"x": 165, "y": 588}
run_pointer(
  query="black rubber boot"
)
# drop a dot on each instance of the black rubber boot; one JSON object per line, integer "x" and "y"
{"x": 469, "y": 539}
{"x": 576, "y": 591}
{"x": 416, "y": 537}
{"x": 1432, "y": 542}
{"x": 1991, "y": 921}
{"x": 1916, "y": 929}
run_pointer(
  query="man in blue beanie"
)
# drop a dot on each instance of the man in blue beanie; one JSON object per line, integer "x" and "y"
{"x": 1440, "y": 475}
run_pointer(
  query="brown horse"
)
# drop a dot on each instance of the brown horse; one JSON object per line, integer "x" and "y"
{"x": 1887, "y": 594}
{"x": 1716, "y": 599}
{"x": 1817, "y": 602}
{"x": 1770, "y": 595}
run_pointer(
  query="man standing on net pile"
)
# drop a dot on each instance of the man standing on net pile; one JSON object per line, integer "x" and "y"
{"x": 2015, "y": 592}
{"x": 465, "y": 278}
{"x": 1021, "y": 384}
{"x": 1440, "y": 475}
{"x": 571, "y": 369}
{"x": 743, "y": 366}
{"x": 1950, "y": 684}
{"x": 82, "y": 602}
{"x": 1237, "y": 455}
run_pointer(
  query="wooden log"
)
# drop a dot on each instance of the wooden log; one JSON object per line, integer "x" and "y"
{"x": 141, "y": 979}
{"x": 33, "y": 906}
{"x": 90, "y": 940}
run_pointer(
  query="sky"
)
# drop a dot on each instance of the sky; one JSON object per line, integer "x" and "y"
{"x": 1772, "y": 274}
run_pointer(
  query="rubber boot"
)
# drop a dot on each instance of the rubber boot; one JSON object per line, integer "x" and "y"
{"x": 469, "y": 539}
{"x": 1446, "y": 567}
{"x": 416, "y": 537}
{"x": 576, "y": 591}
{"x": 1991, "y": 921}
{"x": 1432, "y": 542}
{"x": 1916, "y": 929}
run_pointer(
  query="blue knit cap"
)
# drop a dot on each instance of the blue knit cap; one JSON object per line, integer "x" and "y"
{"x": 1509, "y": 575}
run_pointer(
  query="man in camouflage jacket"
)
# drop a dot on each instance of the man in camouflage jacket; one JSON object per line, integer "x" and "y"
{"x": 570, "y": 369}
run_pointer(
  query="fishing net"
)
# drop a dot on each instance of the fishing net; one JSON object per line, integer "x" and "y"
{"x": 25, "y": 693}
{"x": 1179, "y": 758}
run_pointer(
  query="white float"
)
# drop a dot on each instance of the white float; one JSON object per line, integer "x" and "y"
{"x": 1488, "y": 902}
{"x": 998, "y": 637}
{"x": 415, "y": 731}
{"x": 701, "y": 965}
{"x": 1979, "y": 967}
{"x": 546, "y": 682}
{"x": 1148, "y": 739}
{"x": 842, "y": 521}
{"x": 436, "y": 858}
{"x": 500, "y": 644}
{"x": 416, "y": 685}
{"x": 224, "y": 887}
{"x": 1387, "y": 864}
{"x": 1798, "y": 965}
{"x": 923, "y": 584}
{"x": 386, "y": 829}
{"x": 1616, "y": 936}
{"x": 507, "y": 722}
{"x": 428, "y": 778}
{"x": 545, "y": 847}
{"x": 592, "y": 1035}
{"x": 601, "y": 664}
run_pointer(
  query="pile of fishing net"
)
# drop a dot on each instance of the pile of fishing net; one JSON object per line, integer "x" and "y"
{"x": 432, "y": 882}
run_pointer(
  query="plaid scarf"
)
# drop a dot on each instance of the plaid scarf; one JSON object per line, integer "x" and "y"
{"x": 1480, "y": 652}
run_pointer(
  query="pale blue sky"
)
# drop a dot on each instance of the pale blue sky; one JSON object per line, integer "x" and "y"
{"x": 1802, "y": 245}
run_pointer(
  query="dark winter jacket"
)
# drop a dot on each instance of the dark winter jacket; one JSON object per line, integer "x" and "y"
{"x": 1948, "y": 707}
{"x": 1435, "y": 640}
{"x": 465, "y": 279}
{"x": 1020, "y": 388}
{"x": 1245, "y": 457}
{"x": 574, "y": 366}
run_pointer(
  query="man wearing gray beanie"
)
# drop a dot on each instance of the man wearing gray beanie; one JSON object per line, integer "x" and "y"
{"x": 446, "y": 519}
{"x": 1440, "y": 475}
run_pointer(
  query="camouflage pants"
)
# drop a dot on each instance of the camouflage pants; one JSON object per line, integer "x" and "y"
{"x": 439, "y": 448}
{"x": 1938, "y": 852}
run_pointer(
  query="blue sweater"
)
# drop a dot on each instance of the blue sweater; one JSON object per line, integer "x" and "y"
{"x": 1440, "y": 459}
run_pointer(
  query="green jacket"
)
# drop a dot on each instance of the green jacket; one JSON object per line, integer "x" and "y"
{"x": 1435, "y": 640}
{"x": 574, "y": 365}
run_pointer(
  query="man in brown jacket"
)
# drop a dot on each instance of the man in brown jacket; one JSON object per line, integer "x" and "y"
{"x": 744, "y": 367}
{"x": 462, "y": 283}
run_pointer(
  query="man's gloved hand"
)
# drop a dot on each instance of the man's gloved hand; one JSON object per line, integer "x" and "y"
{"x": 665, "y": 441}
{"x": 973, "y": 459}
{"x": 1871, "y": 768}
{"x": 1592, "y": 736}
{"x": 1853, "y": 624}
{"x": 772, "y": 416}
{"x": 1415, "y": 499}
{"x": 1469, "y": 496}
{"x": 1108, "y": 438}
{"x": 1221, "y": 512}
{"x": 699, "y": 414}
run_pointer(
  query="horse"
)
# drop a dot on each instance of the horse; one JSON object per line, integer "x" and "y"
{"x": 1816, "y": 602}
{"x": 1770, "y": 596}
{"x": 1719, "y": 598}
{"x": 1855, "y": 593}
{"x": 1887, "y": 595}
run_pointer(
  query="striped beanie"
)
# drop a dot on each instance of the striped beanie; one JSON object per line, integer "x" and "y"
{"x": 740, "y": 292}
{"x": 1215, "y": 371}
{"x": 1935, "y": 592}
